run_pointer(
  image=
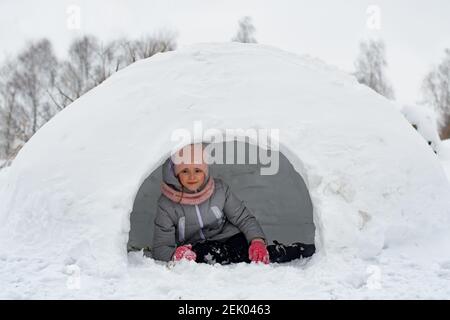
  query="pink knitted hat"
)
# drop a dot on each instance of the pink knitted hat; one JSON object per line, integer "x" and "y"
{"x": 190, "y": 156}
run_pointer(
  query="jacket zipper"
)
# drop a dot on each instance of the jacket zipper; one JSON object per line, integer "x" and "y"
{"x": 200, "y": 222}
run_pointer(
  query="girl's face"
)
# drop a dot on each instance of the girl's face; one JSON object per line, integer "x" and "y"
{"x": 191, "y": 177}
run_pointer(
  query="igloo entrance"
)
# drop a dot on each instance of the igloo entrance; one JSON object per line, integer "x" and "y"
{"x": 281, "y": 202}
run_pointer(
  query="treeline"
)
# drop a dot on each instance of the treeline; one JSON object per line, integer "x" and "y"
{"x": 36, "y": 85}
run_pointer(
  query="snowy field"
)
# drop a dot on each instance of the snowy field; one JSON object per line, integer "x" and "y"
{"x": 381, "y": 198}
{"x": 400, "y": 273}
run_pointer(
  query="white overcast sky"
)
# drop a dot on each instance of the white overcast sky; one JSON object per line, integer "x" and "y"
{"x": 415, "y": 31}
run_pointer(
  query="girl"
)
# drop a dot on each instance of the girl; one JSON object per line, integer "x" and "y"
{"x": 199, "y": 218}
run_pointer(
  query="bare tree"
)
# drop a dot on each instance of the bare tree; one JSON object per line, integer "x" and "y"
{"x": 370, "y": 67}
{"x": 8, "y": 94}
{"x": 151, "y": 45}
{"x": 91, "y": 61}
{"x": 35, "y": 85}
{"x": 107, "y": 61}
{"x": 26, "y": 90}
{"x": 34, "y": 80}
{"x": 246, "y": 31}
{"x": 436, "y": 92}
{"x": 134, "y": 50}
{"x": 78, "y": 74}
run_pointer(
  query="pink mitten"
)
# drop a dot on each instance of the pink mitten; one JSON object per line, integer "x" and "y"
{"x": 257, "y": 251}
{"x": 184, "y": 252}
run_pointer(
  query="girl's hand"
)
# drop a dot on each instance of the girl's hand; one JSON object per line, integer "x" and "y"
{"x": 257, "y": 251}
{"x": 184, "y": 252}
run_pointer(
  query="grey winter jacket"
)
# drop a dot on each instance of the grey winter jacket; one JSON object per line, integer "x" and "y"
{"x": 218, "y": 218}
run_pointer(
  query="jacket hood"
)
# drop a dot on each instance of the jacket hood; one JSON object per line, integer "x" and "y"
{"x": 168, "y": 175}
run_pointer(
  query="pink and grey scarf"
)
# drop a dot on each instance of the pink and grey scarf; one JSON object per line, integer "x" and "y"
{"x": 188, "y": 198}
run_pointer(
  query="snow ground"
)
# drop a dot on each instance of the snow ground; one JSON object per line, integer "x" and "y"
{"x": 400, "y": 273}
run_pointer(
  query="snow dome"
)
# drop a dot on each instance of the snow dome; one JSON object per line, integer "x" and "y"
{"x": 372, "y": 182}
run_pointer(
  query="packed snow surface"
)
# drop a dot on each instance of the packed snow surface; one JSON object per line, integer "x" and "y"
{"x": 380, "y": 195}
{"x": 424, "y": 121}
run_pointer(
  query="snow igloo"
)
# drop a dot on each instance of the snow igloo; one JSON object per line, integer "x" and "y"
{"x": 354, "y": 176}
